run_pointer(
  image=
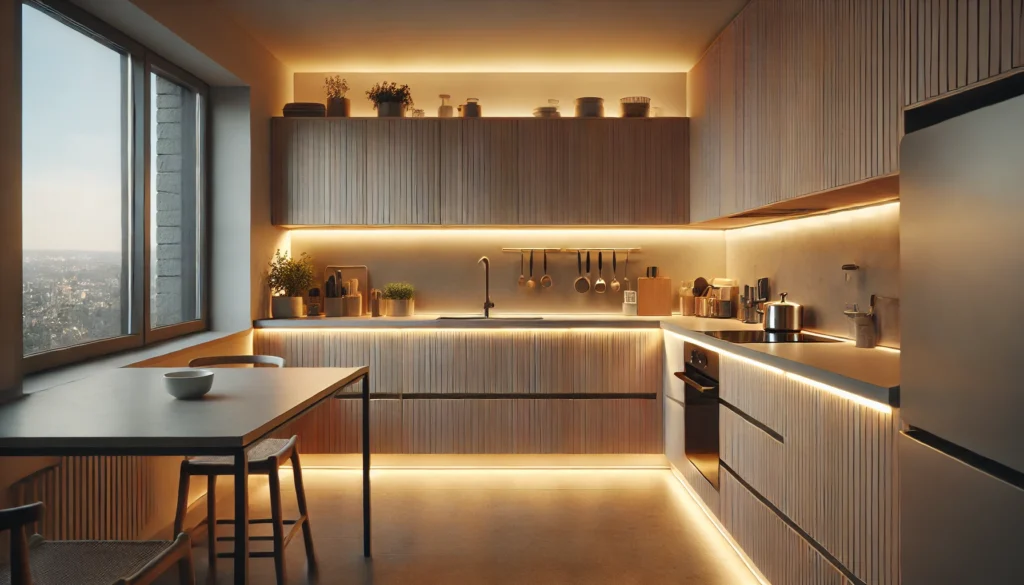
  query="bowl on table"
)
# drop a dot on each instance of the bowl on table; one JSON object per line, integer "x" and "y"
{"x": 188, "y": 384}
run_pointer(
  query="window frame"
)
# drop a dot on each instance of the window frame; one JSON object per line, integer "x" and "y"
{"x": 141, "y": 62}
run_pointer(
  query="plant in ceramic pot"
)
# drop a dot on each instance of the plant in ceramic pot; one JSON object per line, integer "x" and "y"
{"x": 289, "y": 278}
{"x": 337, "y": 104}
{"x": 390, "y": 99}
{"x": 398, "y": 299}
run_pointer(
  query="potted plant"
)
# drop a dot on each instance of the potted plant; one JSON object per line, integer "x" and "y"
{"x": 289, "y": 277}
{"x": 390, "y": 99}
{"x": 337, "y": 104}
{"x": 398, "y": 299}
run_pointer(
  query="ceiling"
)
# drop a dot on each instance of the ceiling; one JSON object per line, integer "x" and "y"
{"x": 485, "y": 35}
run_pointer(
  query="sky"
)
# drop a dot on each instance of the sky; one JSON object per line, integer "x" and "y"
{"x": 71, "y": 125}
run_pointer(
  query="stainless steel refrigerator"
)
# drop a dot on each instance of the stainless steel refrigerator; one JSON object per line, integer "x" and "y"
{"x": 961, "y": 461}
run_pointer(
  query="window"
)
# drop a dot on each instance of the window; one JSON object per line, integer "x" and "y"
{"x": 176, "y": 191}
{"x": 109, "y": 261}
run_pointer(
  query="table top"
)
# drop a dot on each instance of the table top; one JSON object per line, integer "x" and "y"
{"x": 127, "y": 411}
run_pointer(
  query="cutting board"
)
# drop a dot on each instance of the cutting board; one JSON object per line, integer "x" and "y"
{"x": 654, "y": 296}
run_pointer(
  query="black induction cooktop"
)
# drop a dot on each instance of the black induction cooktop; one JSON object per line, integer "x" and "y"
{"x": 758, "y": 336}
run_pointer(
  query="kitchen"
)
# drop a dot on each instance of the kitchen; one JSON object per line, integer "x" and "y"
{"x": 719, "y": 288}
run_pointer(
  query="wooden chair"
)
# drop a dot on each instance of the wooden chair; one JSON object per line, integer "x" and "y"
{"x": 36, "y": 561}
{"x": 265, "y": 458}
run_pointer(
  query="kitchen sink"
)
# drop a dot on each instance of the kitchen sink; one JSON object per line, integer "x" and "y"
{"x": 482, "y": 318}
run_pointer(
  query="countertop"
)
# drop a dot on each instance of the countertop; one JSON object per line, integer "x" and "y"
{"x": 870, "y": 373}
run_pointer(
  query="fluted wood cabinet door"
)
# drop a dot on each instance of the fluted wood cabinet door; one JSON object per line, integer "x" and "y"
{"x": 300, "y": 171}
{"x": 318, "y": 171}
{"x": 952, "y": 44}
{"x": 795, "y": 97}
{"x": 479, "y": 172}
{"x": 403, "y": 171}
{"x": 607, "y": 171}
{"x": 546, "y": 184}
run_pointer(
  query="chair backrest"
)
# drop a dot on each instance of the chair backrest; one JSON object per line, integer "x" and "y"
{"x": 229, "y": 360}
{"x": 15, "y": 520}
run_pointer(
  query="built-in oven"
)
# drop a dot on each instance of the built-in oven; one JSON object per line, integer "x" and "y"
{"x": 700, "y": 412}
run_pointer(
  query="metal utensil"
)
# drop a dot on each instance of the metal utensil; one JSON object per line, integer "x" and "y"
{"x": 545, "y": 281}
{"x": 581, "y": 284}
{"x": 531, "y": 283}
{"x": 615, "y": 273}
{"x": 522, "y": 275}
{"x": 600, "y": 286}
{"x": 625, "y": 273}
{"x": 783, "y": 315}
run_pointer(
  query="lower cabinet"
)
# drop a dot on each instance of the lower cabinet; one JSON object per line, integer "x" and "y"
{"x": 778, "y": 551}
{"x": 486, "y": 391}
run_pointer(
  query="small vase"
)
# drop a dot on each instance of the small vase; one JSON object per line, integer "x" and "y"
{"x": 339, "y": 108}
{"x": 400, "y": 307}
{"x": 286, "y": 307}
{"x": 390, "y": 110}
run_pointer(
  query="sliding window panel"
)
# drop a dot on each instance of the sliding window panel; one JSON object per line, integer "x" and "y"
{"x": 177, "y": 201}
{"x": 80, "y": 275}
{"x": 403, "y": 172}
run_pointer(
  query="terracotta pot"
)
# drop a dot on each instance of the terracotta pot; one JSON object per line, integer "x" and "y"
{"x": 400, "y": 308}
{"x": 390, "y": 110}
{"x": 339, "y": 108}
{"x": 286, "y": 307}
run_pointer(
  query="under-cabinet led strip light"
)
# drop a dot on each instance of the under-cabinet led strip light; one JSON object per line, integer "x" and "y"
{"x": 873, "y": 404}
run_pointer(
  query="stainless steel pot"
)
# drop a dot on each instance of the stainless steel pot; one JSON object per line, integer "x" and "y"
{"x": 783, "y": 315}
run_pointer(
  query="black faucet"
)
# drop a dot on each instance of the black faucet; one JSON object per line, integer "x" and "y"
{"x": 487, "y": 286}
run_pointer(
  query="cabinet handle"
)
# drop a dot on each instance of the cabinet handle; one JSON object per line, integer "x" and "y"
{"x": 691, "y": 382}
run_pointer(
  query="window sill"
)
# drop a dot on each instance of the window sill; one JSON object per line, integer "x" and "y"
{"x": 50, "y": 378}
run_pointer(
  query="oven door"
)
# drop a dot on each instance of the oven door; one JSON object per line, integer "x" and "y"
{"x": 700, "y": 434}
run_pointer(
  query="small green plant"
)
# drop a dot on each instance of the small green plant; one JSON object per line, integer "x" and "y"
{"x": 398, "y": 291}
{"x": 390, "y": 92}
{"x": 290, "y": 276}
{"x": 336, "y": 87}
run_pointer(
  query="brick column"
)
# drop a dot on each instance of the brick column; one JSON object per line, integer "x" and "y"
{"x": 167, "y": 282}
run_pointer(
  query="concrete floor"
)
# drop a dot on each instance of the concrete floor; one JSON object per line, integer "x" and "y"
{"x": 499, "y": 527}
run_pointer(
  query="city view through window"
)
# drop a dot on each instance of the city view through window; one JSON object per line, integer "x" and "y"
{"x": 74, "y": 199}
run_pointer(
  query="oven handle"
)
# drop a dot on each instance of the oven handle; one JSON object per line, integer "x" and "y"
{"x": 691, "y": 382}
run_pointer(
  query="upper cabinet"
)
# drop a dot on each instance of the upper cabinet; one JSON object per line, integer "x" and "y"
{"x": 794, "y": 98}
{"x": 485, "y": 171}
{"x": 952, "y": 44}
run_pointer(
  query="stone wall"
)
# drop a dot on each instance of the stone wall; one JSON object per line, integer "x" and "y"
{"x": 167, "y": 276}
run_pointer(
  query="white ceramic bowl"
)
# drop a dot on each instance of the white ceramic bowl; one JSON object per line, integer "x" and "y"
{"x": 188, "y": 384}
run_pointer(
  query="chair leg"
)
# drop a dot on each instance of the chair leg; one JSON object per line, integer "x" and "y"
{"x": 182, "y": 508}
{"x": 211, "y": 521}
{"x": 300, "y": 496}
{"x": 277, "y": 518}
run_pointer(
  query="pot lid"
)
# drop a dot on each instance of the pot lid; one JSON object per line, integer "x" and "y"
{"x": 783, "y": 302}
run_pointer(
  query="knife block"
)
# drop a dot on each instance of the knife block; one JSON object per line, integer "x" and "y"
{"x": 654, "y": 296}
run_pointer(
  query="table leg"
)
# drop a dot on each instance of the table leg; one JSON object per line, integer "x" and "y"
{"x": 366, "y": 465}
{"x": 241, "y": 557}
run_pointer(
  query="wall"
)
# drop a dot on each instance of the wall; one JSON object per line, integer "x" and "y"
{"x": 442, "y": 263}
{"x": 803, "y": 257}
{"x": 509, "y": 94}
{"x": 10, "y": 199}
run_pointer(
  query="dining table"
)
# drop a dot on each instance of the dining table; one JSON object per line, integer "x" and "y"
{"x": 128, "y": 412}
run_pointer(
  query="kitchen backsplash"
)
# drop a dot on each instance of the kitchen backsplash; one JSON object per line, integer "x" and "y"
{"x": 442, "y": 263}
{"x": 804, "y": 257}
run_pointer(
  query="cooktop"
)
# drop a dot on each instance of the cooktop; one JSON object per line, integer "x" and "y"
{"x": 758, "y": 336}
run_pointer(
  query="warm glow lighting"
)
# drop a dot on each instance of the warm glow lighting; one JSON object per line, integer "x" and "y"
{"x": 397, "y": 328}
{"x": 721, "y": 529}
{"x": 885, "y": 408}
{"x": 817, "y": 222}
{"x": 534, "y": 237}
{"x": 880, "y": 407}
